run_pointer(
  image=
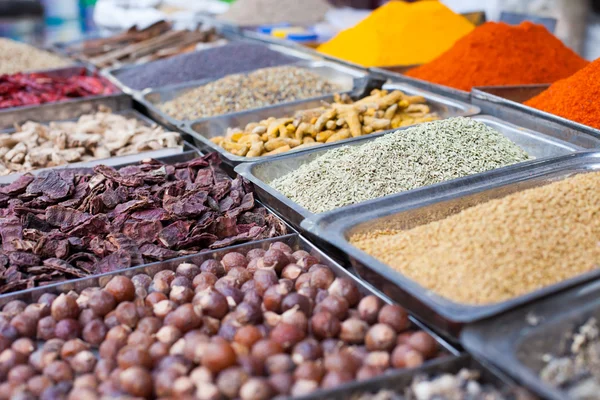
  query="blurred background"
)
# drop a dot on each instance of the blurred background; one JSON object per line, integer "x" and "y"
{"x": 576, "y": 22}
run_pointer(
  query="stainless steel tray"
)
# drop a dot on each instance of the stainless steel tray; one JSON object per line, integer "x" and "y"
{"x": 64, "y": 111}
{"x": 293, "y": 240}
{"x": 506, "y": 102}
{"x": 58, "y": 72}
{"x": 112, "y": 74}
{"x": 168, "y": 159}
{"x": 206, "y": 129}
{"x": 263, "y": 172}
{"x": 436, "y": 202}
{"x": 421, "y": 84}
{"x": 398, "y": 381}
{"x": 151, "y": 99}
{"x": 516, "y": 342}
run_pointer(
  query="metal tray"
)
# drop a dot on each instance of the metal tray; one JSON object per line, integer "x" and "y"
{"x": 209, "y": 128}
{"x": 65, "y": 111}
{"x": 262, "y": 173}
{"x": 436, "y": 202}
{"x": 398, "y": 381}
{"x": 58, "y": 72}
{"x": 421, "y": 84}
{"x": 152, "y": 98}
{"x": 516, "y": 342}
{"x": 293, "y": 240}
{"x": 506, "y": 102}
{"x": 112, "y": 74}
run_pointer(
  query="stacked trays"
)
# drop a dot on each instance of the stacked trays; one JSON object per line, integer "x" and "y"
{"x": 510, "y": 342}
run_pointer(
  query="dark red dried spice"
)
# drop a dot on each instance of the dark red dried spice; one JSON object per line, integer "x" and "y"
{"x": 75, "y": 222}
{"x": 20, "y": 89}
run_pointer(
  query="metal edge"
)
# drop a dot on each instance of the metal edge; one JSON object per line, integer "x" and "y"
{"x": 430, "y": 86}
{"x": 296, "y": 213}
{"x": 397, "y": 380}
{"x": 333, "y": 233}
{"x": 180, "y": 88}
{"x": 497, "y": 342}
{"x": 481, "y": 93}
{"x": 466, "y": 109}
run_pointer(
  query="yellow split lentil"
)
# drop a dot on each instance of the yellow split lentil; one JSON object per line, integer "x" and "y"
{"x": 500, "y": 249}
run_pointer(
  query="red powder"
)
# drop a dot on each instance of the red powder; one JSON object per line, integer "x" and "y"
{"x": 500, "y": 54}
{"x": 575, "y": 98}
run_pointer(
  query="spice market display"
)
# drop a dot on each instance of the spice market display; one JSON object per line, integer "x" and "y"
{"x": 581, "y": 90}
{"x": 305, "y": 228}
{"x": 422, "y": 155}
{"x": 20, "y": 57}
{"x": 19, "y": 90}
{"x": 93, "y": 136}
{"x": 496, "y": 53}
{"x": 399, "y": 33}
{"x": 261, "y": 88}
{"x": 136, "y": 46}
{"x": 342, "y": 119}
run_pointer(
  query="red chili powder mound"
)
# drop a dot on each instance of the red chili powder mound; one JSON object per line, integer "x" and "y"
{"x": 499, "y": 54}
{"x": 575, "y": 98}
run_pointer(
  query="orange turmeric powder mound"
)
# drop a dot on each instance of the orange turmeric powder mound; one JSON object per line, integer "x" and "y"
{"x": 499, "y": 54}
{"x": 574, "y": 98}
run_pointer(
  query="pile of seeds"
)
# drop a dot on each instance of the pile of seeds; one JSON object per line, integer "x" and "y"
{"x": 248, "y": 326}
{"x": 20, "y": 57}
{"x": 205, "y": 64}
{"x": 329, "y": 123}
{"x": 92, "y": 136}
{"x": 423, "y": 155}
{"x": 241, "y": 92}
{"x": 576, "y": 372}
{"x": 465, "y": 385}
{"x": 501, "y": 249}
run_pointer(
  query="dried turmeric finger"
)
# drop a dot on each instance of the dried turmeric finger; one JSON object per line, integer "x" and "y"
{"x": 323, "y": 136}
{"x": 354, "y": 124}
{"x": 218, "y": 140}
{"x": 250, "y": 138}
{"x": 377, "y": 124}
{"x": 256, "y": 149}
{"x": 390, "y": 99}
{"x": 278, "y": 150}
{"x": 274, "y": 144}
{"x": 322, "y": 120}
{"x": 259, "y": 130}
{"x": 415, "y": 110}
{"x": 415, "y": 99}
{"x": 341, "y": 135}
{"x": 308, "y": 139}
{"x": 390, "y": 112}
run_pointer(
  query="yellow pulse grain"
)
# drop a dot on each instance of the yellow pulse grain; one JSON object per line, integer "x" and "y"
{"x": 501, "y": 249}
{"x": 399, "y": 33}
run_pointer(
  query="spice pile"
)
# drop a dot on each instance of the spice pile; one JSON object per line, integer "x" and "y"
{"x": 429, "y": 153}
{"x": 139, "y": 46}
{"x": 266, "y": 12}
{"x": 330, "y": 123}
{"x": 92, "y": 136}
{"x": 20, "y": 57}
{"x": 241, "y": 92}
{"x": 576, "y": 371}
{"x": 206, "y": 64}
{"x": 251, "y": 326}
{"x": 77, "y": 222}
{"x": 501, "y": 249}
{"x": 31, "y": 89}
{"x": 499, "y": 54}
{"x": 574, "y": 98}
{"x": 465, "y": 385}
{"x": 399, "y": 33}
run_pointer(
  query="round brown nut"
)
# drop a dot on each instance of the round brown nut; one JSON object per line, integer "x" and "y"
{"x": 380, "y": 337}
{"x": 255, "y": 389}
{"x": 394, "y": 316}
{"x": 353, "y": 331}
{"x": 325, "y": 325}
{"x": 136, "y": 381}
{"x": 231, "y": 380}
{"x": 423, "y": 343}
{"x": 287, "y": 335}
{"x": 265, "y": 348}
{"x": 405, "y": 356}
{"x": 369, "y": 307}
{"x": 232, "y": 260}
{"x": 121, "y": 288}
{"x": 218, "y": 356}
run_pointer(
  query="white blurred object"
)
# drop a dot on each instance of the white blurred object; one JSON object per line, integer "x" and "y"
{"x": 124, "y": 14}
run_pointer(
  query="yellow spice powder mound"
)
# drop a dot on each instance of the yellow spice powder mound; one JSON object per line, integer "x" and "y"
{"x": 501, "y": 249}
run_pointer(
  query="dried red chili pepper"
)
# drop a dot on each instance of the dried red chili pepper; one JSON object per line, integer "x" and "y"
{"x": 20, "y": 89}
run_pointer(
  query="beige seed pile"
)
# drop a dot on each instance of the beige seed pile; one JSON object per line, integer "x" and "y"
{"x": 501, "y": 249}
{"x": 20, "y": 57}
{"x": 240, "y": 92}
